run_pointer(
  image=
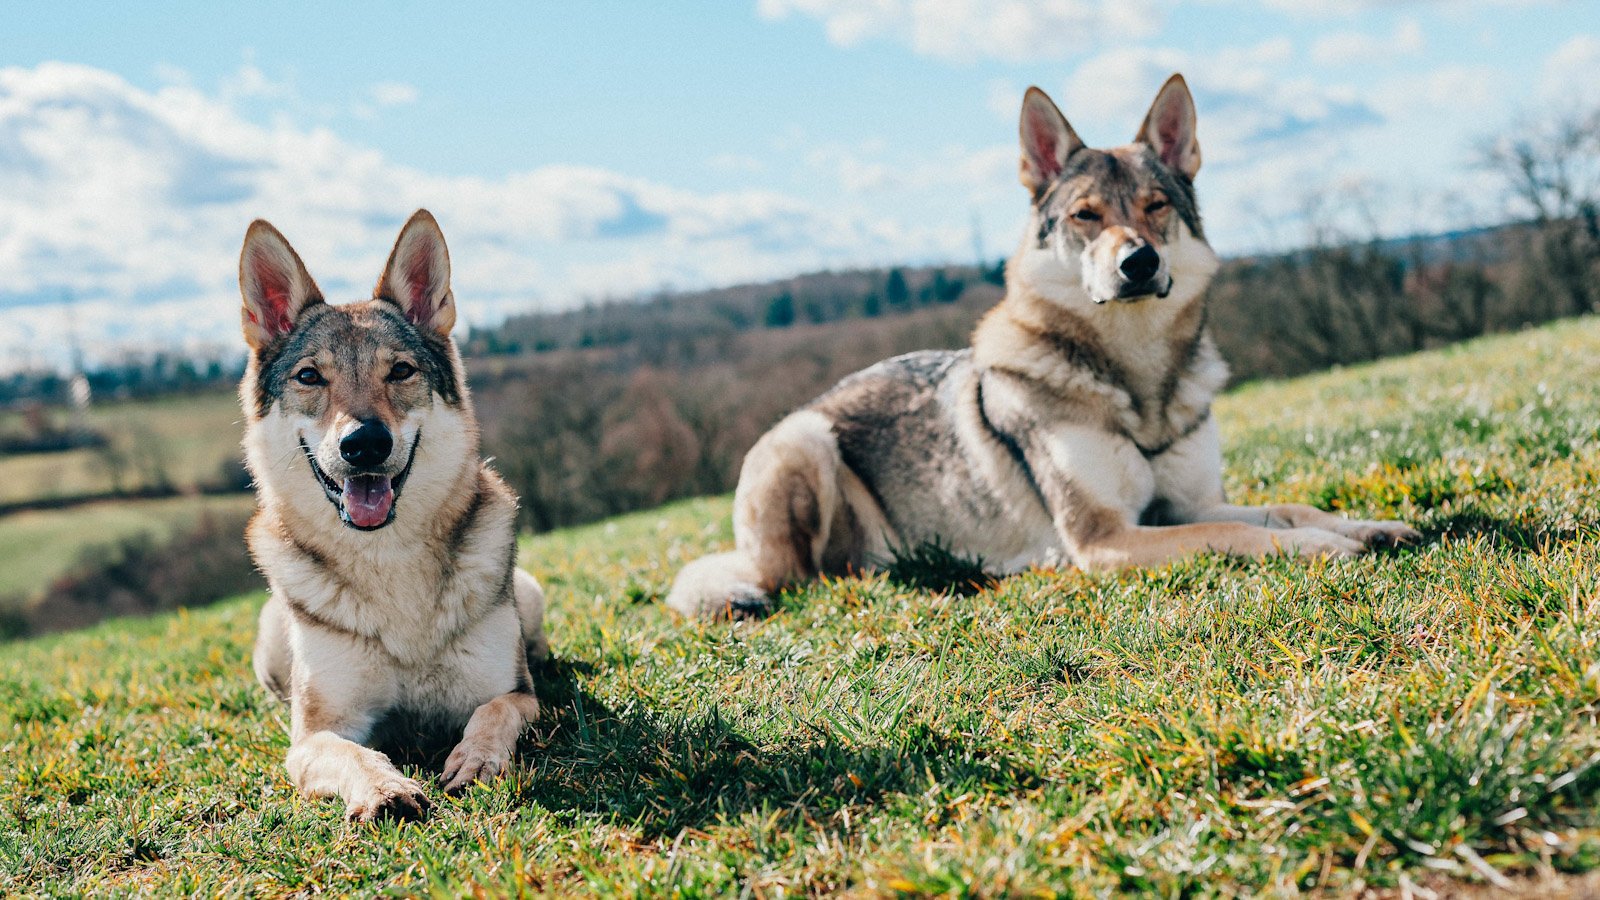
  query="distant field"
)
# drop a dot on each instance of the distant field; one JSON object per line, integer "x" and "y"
{"x": 189, "y": 438}
{"x": 37, "y": 546}
{"x": 1213, "y": 728}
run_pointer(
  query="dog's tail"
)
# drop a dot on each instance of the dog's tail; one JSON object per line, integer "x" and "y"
{"x": 529, "y": 596}
{"x": 720, "y": 586}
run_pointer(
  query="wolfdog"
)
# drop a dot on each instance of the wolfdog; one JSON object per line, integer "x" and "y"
{"x": 388, "y": 544}
{"x": 1076, "y": 429}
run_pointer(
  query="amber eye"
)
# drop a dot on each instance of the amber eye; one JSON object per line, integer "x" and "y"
{"x": 309, "y": 376}
{"x": 1086, "y": 215}
{"x": 1155, "y": 206}
{"x": 401, "y": 371}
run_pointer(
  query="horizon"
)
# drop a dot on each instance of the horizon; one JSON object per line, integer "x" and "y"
{"x": 805, "y": 135}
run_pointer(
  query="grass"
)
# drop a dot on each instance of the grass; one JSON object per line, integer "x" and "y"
{"x": 39, "y": 545}
{"x": 1210, "y": 728}
{"x": 187, "y": 439}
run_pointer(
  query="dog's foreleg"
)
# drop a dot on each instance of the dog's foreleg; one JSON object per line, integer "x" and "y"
{"x": 490, "y": 737}
{"x": 326, "y": 758}
{"x": 1371, "y": 533}
{"x": 325, "y": 764}
{"x": 1135, "y": 545}
{"x": 1096, "y": 483}
{"x": 1189, "y": 479}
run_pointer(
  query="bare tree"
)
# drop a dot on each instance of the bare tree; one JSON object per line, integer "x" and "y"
{"x": 1552, "y": 175}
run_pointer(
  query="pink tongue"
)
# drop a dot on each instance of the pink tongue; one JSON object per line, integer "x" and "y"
{"x": 367, "y": 499}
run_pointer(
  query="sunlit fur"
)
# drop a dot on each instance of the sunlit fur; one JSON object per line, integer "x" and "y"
{"x": 426, "y": 618}
{"x": 1077, "y": 428}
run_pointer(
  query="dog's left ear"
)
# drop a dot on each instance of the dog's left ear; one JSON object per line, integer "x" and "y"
{"x": 1169, "y": 127}
{"x": 417, "y": 278}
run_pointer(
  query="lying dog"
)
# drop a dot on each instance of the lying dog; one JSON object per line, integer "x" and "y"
{"x": 388, "y": 544}
{"x": 1076, "y": 429}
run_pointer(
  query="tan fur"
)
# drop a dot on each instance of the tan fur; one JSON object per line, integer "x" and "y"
{"x": 1082, "y": 409}
{"x": 425, "y": 616}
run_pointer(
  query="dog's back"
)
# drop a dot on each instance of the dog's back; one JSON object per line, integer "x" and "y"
{"x": 914, "y": 430}
{"x": 1081, "y": 416}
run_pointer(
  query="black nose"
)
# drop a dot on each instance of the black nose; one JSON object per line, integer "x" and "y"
{"x": 1141, "y": 264}
{"x": 367, "y": 445}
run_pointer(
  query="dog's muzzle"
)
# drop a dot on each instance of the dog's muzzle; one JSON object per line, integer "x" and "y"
{"x": 1160, "y": 286}
{"x": 1139, "y": 266}
{"x": 365, "y": 500}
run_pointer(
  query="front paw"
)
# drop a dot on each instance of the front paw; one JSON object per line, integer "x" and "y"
{"x": 472, "y": 761}
{"x": 1317, "y": 542}
{"x": 1378, "y": 534}
{"x": 389, "y": 797}
{"x": 748, "y": 607}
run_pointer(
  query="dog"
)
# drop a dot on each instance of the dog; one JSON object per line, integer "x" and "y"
{"x": 388, "y": 544}
{"x": 1076, "y": 429}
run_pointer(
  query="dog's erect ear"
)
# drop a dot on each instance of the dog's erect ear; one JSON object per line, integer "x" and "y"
{"x": 274, "y": 283}
{"x": 1047, "y": 141}
{"x": 417, "y": 278}
{"x": 1169, "y": 127}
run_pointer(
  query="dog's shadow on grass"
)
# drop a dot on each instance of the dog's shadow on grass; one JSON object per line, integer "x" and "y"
{"x": 1513, "y": 534}
{"x": 662, "y": 773}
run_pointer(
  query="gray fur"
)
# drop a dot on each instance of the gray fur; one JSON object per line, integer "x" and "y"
{"x": 1070, "y": 422}
{"x": 422, "y": 619}
{"x": 352, "y": 333}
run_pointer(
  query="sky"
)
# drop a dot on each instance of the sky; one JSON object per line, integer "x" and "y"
{"x": 602, "y": 150}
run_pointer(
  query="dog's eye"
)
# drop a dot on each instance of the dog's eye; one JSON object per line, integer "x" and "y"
{"x": 402, "y": 371}
{"x": 1086, "y": 215}
{"x": 309, "y": 376}
{"x": 1155, "y": 206}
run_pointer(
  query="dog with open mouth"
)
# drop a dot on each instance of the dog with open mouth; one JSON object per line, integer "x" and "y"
{"x": 388, "y": 544}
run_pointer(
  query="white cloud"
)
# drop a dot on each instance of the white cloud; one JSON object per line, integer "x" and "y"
{"x": 736, "y": 164}
{"x": 1345, "y": 48}
{"x": 249, "y": 81}
{"x": 967, "y": 30}
{"x": 1347, "y": 7}
{"x": 1005, "y": 99}
{"x": 962, "y": 174}
{"x": 1245, "y": 105}
{"x": 393, "y": 93}
{"x": 1571, "y": 74}
{"x": 1459, "y": 89}
{"x": 1267, "y": 139}
{"x": 134, "y": 202}
{"x": 1329, "y": 7}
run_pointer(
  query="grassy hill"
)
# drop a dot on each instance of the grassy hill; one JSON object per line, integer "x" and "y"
{"x": 185, "y": 441}
{"x": 1210, "y": 727}
{"x": 36, "y": 546}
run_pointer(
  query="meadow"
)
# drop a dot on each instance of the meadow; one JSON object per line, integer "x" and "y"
{"x": 1424, "y": 717}
{"x": 181, "y": 441}
{"x": 36, "y": 546}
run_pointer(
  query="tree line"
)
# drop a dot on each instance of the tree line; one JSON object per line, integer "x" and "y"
{"x": 616, "y": 407}
{"x": 629, "y": 407}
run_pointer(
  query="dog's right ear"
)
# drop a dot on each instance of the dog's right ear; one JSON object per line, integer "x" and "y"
{"x": 1047, "y": 141}
{"x": 274, "y": 283}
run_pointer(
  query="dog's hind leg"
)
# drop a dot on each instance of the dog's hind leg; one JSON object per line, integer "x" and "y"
{"x": 272, "y": 658}
{"x": 792, "y": 519}
{"x": 530, "y": 612}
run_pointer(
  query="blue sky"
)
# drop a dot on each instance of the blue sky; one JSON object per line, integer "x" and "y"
{"x": 602, "y": 149}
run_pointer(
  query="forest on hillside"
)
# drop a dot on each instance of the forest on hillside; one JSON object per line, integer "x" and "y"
{"x": 619, "y": 407}
{"x": 622, "y": 406}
